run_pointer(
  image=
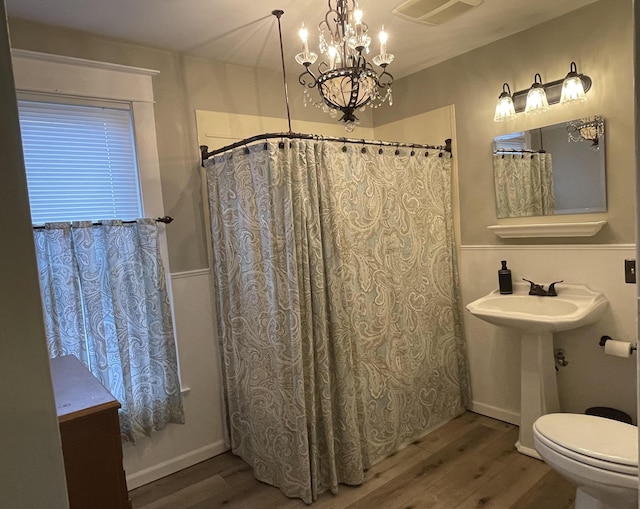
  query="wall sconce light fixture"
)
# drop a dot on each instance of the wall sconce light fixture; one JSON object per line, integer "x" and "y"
{"x": 572, "y": 88}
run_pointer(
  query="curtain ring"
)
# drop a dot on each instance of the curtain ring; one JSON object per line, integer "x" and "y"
{"x": 363, "y": 150}
{"x": 440, "y": 154}
{"x": 281, "y": 144}
{"x": 413, "y": 153}
{"x": 246, "y": 150}
{"x": 380, "y": 150}
{"x": 266, "y": 146}
{"x": 426, "y": 153}
{"x": 397, "y": 149}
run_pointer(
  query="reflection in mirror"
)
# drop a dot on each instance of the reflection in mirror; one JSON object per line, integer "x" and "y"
{"x": 557, "y": 169}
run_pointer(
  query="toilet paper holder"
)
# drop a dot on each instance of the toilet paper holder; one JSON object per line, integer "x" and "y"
{"x": 604, "y": 339}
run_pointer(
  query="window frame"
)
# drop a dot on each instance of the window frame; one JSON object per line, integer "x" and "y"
{"x": 77, "y": 79}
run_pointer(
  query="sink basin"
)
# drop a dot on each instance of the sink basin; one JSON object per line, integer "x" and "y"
{"x": 575, "y": 306}
{"x": 534, "y": 319}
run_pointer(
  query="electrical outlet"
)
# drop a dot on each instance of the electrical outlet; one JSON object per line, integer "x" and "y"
{"x": 630, "y": 271}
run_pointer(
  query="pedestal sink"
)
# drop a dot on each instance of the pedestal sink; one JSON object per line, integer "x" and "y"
{"x": 535, "y": 319}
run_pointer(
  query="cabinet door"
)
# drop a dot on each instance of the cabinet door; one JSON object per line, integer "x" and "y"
{"x": 93, "y": 461}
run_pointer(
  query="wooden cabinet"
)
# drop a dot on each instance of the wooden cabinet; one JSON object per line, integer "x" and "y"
{"x": 90, "y": 433}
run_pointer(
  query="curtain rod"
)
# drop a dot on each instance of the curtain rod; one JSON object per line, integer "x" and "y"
{"x": 164, "y": 219}
{"x": 205, "y": 154}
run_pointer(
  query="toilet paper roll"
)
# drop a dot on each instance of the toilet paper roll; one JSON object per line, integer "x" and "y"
{"x": 617, "y": 348}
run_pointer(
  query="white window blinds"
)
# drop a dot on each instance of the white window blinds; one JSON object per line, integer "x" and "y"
{"x": 80, "y": 162}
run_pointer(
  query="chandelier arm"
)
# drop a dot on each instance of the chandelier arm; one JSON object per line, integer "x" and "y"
{"x": 385, "y": 79}
{"x": 304, "y": 80}
{"x": 327, "y": 23}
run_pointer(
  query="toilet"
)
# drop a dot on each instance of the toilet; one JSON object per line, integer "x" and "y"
{"x": 599, "y": 455}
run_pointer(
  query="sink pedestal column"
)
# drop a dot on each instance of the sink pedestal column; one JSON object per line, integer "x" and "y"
{"x": 538, "y": 386}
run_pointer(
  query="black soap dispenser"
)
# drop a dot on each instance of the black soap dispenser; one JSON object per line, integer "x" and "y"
{"x": 504, "y": 279}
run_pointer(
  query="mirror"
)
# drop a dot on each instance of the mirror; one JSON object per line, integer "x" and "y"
{"x": 556, "y": 169}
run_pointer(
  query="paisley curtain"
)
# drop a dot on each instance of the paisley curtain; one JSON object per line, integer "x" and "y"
{"x": 338, "y": 305}
{"x": 105, "y": 301}
{"x": 523, "y": 184}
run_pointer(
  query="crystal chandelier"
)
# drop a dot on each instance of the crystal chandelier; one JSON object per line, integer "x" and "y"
{"x": 345, "y": 79}
{"x": 587, "y": 129}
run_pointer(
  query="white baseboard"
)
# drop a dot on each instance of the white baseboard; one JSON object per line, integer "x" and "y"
{"x": 174, "y": 465}
{"x": 496, "y": 413}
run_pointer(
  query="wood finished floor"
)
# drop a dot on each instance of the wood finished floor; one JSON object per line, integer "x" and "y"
{"x": 469, "y": 463}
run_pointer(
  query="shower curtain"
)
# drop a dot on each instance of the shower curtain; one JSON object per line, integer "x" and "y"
{"x": 523, "y": 184}
{"x": 338, "y": 305}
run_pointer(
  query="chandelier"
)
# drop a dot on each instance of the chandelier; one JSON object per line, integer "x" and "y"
{"x": 587, "y": 129}
{"x": 345, "y": 79}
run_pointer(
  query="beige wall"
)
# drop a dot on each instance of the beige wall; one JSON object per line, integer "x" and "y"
{"x": 598, "y": 38}
{"x": 31, "y": 468}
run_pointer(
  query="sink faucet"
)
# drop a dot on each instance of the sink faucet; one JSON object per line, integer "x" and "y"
{"x": 539, "y": 290}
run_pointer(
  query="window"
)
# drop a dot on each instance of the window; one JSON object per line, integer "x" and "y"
{"x": 90, "y": 152}
{"x": 55, "y": 79}
{"x": 80, "y": 162}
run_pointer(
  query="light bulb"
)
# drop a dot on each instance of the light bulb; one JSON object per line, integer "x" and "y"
{"x": 383, "y": 37}
{"x": 304, "y": 33}
{"x": 537, "y": 97}
{"x": 305, "y": 58}
{"x": 572, "y": 87}
{"x": 333, "y": 54}
{"x": 505, "y": 109}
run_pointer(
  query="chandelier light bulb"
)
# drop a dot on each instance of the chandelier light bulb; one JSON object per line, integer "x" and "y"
{"x": 357, "y": 16}
{"x": 384, "y": 58}
{"x": 383, "y": 37}
{"x": 304, "y": 33}
{"x": 304, "y": 37}
{"x": 306, "y": 57}
{"x": 334, "y": 57}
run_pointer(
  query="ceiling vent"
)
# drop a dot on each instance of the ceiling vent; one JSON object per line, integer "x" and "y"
{"x": 434, "y": 12}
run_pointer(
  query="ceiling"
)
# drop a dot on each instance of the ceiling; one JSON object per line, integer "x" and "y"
{"x": 245, "y": 32}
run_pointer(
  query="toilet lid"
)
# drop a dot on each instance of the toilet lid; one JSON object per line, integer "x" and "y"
{"x": 592, "y": 436}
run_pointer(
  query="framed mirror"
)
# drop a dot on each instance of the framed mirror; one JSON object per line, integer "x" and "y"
{"x": 556, "y": 169}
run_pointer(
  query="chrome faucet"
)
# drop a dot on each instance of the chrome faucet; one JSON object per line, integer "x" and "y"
{"x": 539, "y": 290}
